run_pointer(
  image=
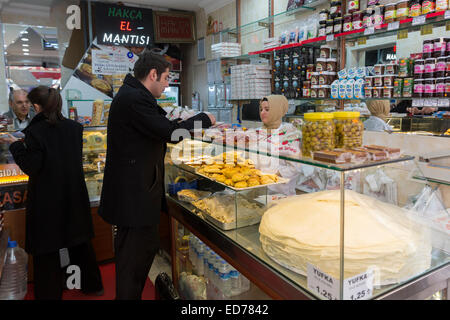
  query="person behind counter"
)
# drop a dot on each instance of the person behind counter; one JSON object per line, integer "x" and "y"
{"x": 133, "y": 185}
{"x": 21, "y": 111}
{"x": 379, "y": 110}
{"x": 58, "y": 214}
{"x": 280, "y": 137}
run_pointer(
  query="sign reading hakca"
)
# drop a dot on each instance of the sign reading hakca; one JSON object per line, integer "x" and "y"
{"x": 112, "y": 60}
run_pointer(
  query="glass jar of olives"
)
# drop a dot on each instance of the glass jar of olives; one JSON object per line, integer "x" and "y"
{"x": 349, "y": 129}
{"x": 318, "y": 132}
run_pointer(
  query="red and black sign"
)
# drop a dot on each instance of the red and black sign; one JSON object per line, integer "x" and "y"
{"x": 13, "y": 197}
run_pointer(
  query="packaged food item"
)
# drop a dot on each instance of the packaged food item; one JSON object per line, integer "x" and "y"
{"x": 335, "y": 156}
{"x": 309, "y": 71}
{"x": 419, "y": 68}
{"x": 353, "y": 6}
{"x": 391, "y": 68}
{"x": 332, "y": 64}
{"x": 306, "y": 89}
{"x": 391, "y": 153}
{"x": 337, "y": 28}
{"x": 377, "y": 92}
{"x": 398, "y": 87}
{"x": 388, "y": 92}
{"x": 402, "y": 10}
{"x": 368, "y": 18}
{"x": 342, "y": 74}
{"x": 390, "y": 13}
{"x": 318, "y": 133}
{"x": 335, "y": 89}
{"x": 441, "y": 66}
{"x": 404, "y": 68}
{"x": 408, "y": 86}
{"x": 429, "y": 88}
{"x": 360, "y": 72}
{"x": 373, "y": 154}
{"x": 378, "y": 18}
{"x": 368, "y": 81}
{"x": 323, "y": 15}
{"x": 358, "y": 91}
{"x": 430, "y": 65}
{"x": 368, "y": 92}
{"x": 324, "y": 91}
{"x": 357, "y": 20}
{"x": 322, "y": 28}
{"x": 440, "y": 87}
{"x": 97, "y": 111}
{"x": 335, "y": 9}
{"x": 348, "y": 25}
{"x": 428, "y": 6}
{"x": 439, "y": 47}
{"x": 379, "y": 69}
{"x": 321, "y": 64}
{"x": 342, "y": 89}
{"x": 349, "y": 129}
{"x": 315, "y": 79}
{"x": 314, "y": 91}
{"x": 447, "y": 87}
{"x": 388, "y": 80}
{"x": 415, "y": 8}
{"x": 325, "y": 52}
{"x": 329, "y": 26}
{"x": 323, "y": 79}
{"x": 447, "y": 71}
{"x": 351, "y": 73}
{"x": 378, "y": 81}
{"x": 441, "y": 5}
{"x": 428, "y": 48}
{"x": 349, "y": 89}
{"x": 373, "y": 2}
{"x": 419, "y": 88}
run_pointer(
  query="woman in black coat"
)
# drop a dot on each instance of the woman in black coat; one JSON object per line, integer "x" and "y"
{"x": 58, "y": 216}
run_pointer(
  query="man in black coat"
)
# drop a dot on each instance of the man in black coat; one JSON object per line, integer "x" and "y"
{"x": 133, "y": 185}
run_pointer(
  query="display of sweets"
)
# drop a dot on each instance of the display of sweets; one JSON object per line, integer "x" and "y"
{"x": 318, "y": 133}
{"x": 349, "y": 129}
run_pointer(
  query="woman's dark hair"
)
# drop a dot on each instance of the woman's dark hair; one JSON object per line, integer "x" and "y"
{"x": 50, "y": 101}
{"x": 148, "y": 61}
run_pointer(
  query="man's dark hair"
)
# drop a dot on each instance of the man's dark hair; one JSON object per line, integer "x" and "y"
{"x": 148, "y": 61}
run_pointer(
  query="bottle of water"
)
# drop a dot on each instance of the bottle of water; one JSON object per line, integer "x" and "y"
{"x": 224, "y": 278}
{"x": 235, "y": 282}
{"x": 245, "y": 283}
{"x": 200, "y": 253}
{"x": 211, "y": 267}
{"x": 13, "y": 283}
{"x": 205, "y": 261}
{"x": 191, "y": 249}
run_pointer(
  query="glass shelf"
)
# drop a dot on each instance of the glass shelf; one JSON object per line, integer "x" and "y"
{"x": 431, "y": 180}
{"x": 435, "y": 19}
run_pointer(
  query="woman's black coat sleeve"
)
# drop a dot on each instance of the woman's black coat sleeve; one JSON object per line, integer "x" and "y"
{"x": 28, "y": 155}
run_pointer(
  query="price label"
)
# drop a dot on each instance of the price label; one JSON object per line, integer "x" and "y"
{"x": 359, "y": 287}
{"x": 402, "y": 34}
{"x": 369, "y": 31}
{"x": 362, "y": 41}
{"x": 393, "y": 25}
{"x": 447, "y": 15}
{"x": 330, "y": 37}
{"x": 419, "y": 20}
{"x": 447, "y": 26}
{"x": 322, "y": 283}
{"x": 428, "y": 29}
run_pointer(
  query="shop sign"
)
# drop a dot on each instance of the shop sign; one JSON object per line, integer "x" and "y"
{"x": 173, "y": 27}
{"x": 122, "y": 25}
{"x": 13, "y": 197}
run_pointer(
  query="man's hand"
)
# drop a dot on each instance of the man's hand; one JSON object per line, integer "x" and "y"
{"x": 7, "y": 138}
{"x": 212, "y": 118}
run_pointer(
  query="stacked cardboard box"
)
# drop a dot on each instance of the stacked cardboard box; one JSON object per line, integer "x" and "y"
{"x": 225, "y": 50}
{"x": 250, "y": 81}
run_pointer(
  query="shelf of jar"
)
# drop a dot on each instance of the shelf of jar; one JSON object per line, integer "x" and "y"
{"x": 435, "y": 18}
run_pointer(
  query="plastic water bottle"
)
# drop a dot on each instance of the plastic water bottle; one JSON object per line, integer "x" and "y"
{"x": 191, "y": 249}
{"x": 205, "y": 261}
{"x": 200, "y": 253}
{"x": 13, "y": 283}
{"x": 245, "y": 283}
{"x": 224, "y": 278}
{"x": 235, "y": 282}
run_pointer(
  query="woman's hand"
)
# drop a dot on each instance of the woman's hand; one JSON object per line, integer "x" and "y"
{"x": 7, "y": 138}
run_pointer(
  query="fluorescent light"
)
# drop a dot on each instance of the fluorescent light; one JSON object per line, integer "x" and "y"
{"x": 26, "y": 54}
{"x": 24, "y": 39}
{"x": 25, "y": 49}
{"x": 25, "y": 45}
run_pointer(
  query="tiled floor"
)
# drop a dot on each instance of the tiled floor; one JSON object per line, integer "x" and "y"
{"x": 161, "y": 263}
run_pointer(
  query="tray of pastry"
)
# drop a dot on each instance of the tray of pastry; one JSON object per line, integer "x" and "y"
{"x": 223, "y": 211}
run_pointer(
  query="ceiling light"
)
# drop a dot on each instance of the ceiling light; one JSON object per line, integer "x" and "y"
{"x": 26, "y": 54}
{"x": 25, "y": 49}
{"x": 24, "y": 32}
{"x": 24, "y": 39}
{"x": 25, "y": 45}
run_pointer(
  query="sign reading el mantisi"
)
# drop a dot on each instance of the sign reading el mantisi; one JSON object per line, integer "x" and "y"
{"x": 122, "y": 25}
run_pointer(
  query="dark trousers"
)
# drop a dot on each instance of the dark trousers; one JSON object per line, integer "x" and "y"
{"x": 50, "y": 278}
{"x": 135, "y": 249}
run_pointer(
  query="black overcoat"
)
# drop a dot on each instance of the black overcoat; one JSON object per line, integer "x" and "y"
{"x": 58, "y": 211}
{"x": 138, "y": 130}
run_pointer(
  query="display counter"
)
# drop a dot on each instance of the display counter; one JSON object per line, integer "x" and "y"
{"x": 272, "y": 251}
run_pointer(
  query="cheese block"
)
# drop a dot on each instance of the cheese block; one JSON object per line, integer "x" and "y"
{"x": 306, "y": 229}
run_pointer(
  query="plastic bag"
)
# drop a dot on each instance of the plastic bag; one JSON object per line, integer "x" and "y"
{"x": 381, "y": 187}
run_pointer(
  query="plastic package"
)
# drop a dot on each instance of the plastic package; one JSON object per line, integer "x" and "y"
{"x": 318, "y": 133}
{"x": 349, "y": 129}
{"x": 381, "y": 187}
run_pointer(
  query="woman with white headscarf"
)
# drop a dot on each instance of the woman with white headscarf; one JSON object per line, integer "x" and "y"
{"x": 379, "y": 110}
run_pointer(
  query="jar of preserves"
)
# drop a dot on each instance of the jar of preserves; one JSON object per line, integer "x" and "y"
{"x": 441, "y": 66}
{"x": 419, "y": 68}
{"x": 335, "y": 9}
{"x": 415, "y": 8}
{"x": 428, "y": 6}
{"x": 353, "y": 6}
{"x": 440, "y": 87}
{"x": 323, "y": 15}
{"x": 429, "y": 88}
{"x": 428, "y": 47}
{"x": 418, "y": 88}
{"x": 430, "y": 65}
{"x": 390, "y": 13}
{"x": 318, "y": 133}
{"x": 378, "y": 18}
{"x": 348, "y": 26}
{"x": 322, "y": 28}
{"x": 439, "y": 48}
{"x": 329, "y": 27}
{"x": 357, "y": 20}
{"x": 447, "y": 87}
{"x": 388, "y": 92}
{"x": 349, "y": 129}
{"x": 337, "y": 25}
{"x": 402, "y": 10}
{"x": 368, "y": 18}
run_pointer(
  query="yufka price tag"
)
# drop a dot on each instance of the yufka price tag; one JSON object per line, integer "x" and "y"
{"x": 322, "y": 283}
{"x": 368, "y": 31}
{"x": 359, "y": 287}
{"x": 428, "y": 29}
{"x": 402, "y": 34}
{"x": 393, "y": 25}
{"x": 330, "y": 37}
{"x": 419, "y": 20}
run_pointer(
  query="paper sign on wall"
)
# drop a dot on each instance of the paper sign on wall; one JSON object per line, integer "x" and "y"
{"x": 112, "y": 60}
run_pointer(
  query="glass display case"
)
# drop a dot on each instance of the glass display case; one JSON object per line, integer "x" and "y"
{"x": 364, "y": 230}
